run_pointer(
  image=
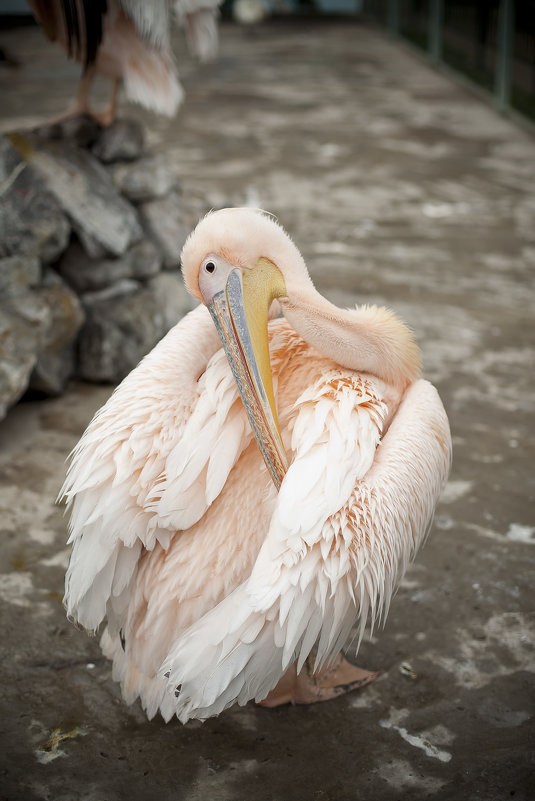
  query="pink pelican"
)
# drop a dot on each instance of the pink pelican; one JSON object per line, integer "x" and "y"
{"x": 128, "y": 42}
{"x": 238, "y": 510}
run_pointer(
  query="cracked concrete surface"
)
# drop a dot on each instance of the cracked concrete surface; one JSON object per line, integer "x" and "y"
{"x": 401, "y": 188}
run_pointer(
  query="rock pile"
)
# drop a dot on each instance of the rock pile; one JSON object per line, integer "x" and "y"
{"x": 91, "y": 227}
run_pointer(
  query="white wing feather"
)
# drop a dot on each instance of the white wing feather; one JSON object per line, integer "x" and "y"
{"x": 145, "y": 467}
{"x": 336, "y": 547}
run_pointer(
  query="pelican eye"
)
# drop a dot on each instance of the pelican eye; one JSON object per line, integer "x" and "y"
{"x": 209, "y": 267}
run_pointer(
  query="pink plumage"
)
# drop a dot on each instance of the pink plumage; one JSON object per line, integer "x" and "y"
{"x": 213, "y": 584}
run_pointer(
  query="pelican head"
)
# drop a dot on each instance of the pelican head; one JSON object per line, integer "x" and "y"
{"x": 232, "y": 263}
{"x": 237, "y": 262}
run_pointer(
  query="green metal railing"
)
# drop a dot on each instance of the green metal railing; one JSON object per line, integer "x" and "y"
{"x": 492, "y": 42}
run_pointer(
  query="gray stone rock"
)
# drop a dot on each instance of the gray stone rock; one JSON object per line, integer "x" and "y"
{"x": 82, "y": 130}
{"x": 19, "y": 273}
{"x": 84, "y": 274}
{"x": 172, "y": 298}
{"x": 168, "y": 223}
{"x": 146, "y": 179}
{"x": 117, "y": 334}
{"x": 144, "y": 259}
{"x": 106, "y": 223}
{"x": 38, "y": 329}
{"x": 17, "y": 359}
{"x": 124, "y": 287}
{"x": 120, "y": 330}
{"x": 31, "y": 308}
{"x": 31, "y": 220}
{"x": 24, "y": 320}
{"x": 123, "y": 140}
{"x": 56, "y": 362}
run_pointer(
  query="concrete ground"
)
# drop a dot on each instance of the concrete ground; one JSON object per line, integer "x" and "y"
{"x": 400, "y": 187}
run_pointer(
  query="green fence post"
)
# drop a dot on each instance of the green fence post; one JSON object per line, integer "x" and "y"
{"x": 392, "y": 17}
{"x": 436, "y": 26}
{"x": 504, "y": 55}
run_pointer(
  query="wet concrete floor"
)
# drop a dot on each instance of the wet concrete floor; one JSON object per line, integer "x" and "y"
{"x": 400, "y": 187}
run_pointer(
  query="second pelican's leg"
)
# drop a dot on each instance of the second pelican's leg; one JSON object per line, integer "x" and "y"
{"x": 107, "y": 115}
{"x": 81, "y": 101}
{"x": 309, "y": 688}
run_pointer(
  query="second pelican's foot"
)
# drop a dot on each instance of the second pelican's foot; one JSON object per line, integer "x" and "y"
{"x": 103, "y": 118}
{"x": 309, "y": 688}
{"x": 74, "y": 111}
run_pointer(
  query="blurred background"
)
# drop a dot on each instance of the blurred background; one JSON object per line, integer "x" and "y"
{"x": 394, "y": 141}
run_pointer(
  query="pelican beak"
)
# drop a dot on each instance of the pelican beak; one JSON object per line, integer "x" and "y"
{"x": 240, "y": 314}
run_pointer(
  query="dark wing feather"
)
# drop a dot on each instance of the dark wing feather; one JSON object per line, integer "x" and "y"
{"x": 78, "y": 22}
{"x": 94, "y": 12}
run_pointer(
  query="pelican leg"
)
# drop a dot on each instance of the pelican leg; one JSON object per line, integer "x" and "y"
{"x": 308, "y": 687}
{"x": 107, "y": 115}
{"x": 81, "y": 102}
